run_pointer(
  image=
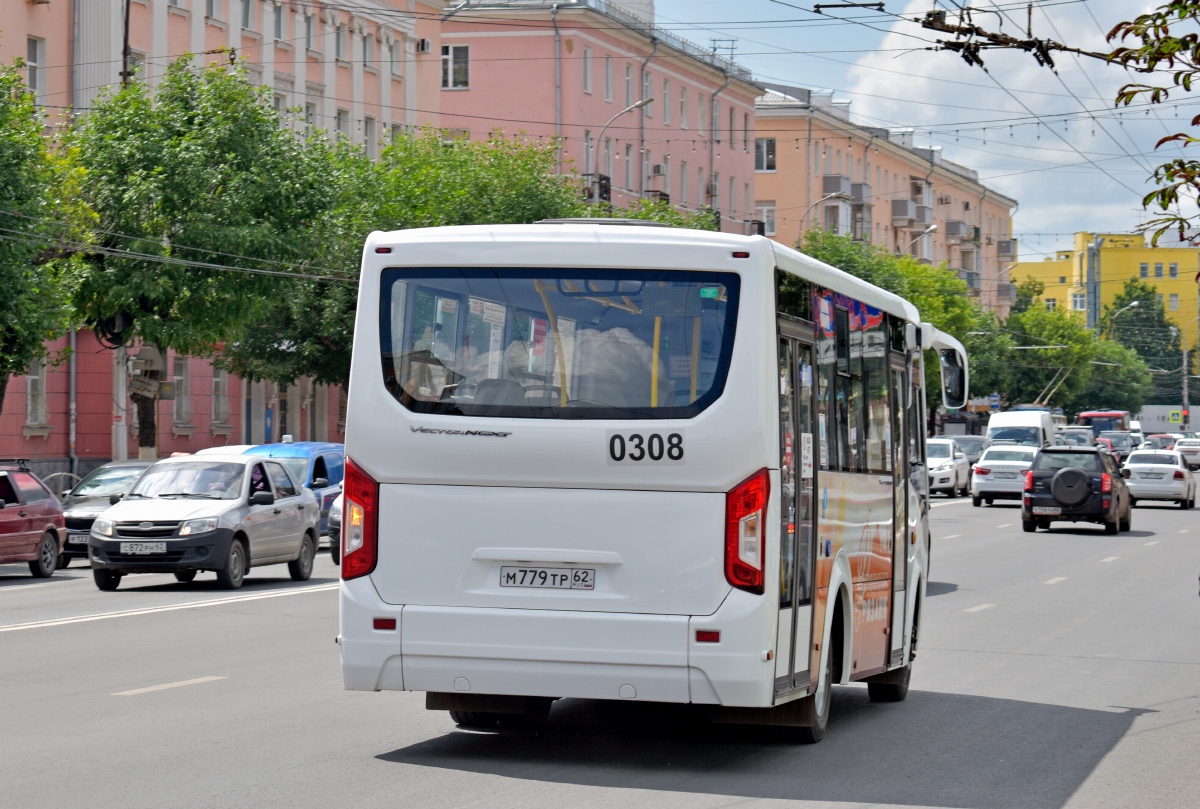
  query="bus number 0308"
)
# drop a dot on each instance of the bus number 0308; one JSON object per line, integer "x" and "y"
{"x": 636, "y": 449}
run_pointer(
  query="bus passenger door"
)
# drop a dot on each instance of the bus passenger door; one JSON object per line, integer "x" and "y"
{"x": 797, "y": 444}
{"x": 900, "y": 483}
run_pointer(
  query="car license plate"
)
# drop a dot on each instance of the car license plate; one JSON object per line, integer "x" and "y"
{"x": 1049, "y": 511}
{"x": 1152, "y": 475}
{"x": 1006, "y": 475}
{"x": 549, "y": 578}
{"x": 77, "y": 539}
{"x": 143, "y": 547}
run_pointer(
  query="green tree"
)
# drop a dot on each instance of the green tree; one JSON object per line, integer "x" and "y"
{"x": 1059, "y": 372}
{"x": 653, "y": 210}
{"x": 1119, "y": 379}
{"x": 200, "y": 172}
{"x": 1137, "y": 319}
{"x": 1029, "y": 290}
{"x": 32, "y": 309}
{"x": 990, "y": 355}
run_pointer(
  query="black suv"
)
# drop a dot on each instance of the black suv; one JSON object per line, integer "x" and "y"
{"x": 1079, "y": 484}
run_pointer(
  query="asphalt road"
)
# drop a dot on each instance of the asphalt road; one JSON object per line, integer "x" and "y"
{"x": 1056, "y": 669}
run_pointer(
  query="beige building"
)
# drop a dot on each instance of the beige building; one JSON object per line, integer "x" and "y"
{"x": 815, "y": 167}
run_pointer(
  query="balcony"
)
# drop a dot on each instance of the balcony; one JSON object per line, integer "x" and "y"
{"x": 973, "y": 281}
{"x": 860, "y": 218}
{"x": 972, "y": 235}
{"x": 837, "y": 184}
{"x": 1006, "y": 249}
{"x": 957, "y": 231}
{"x": 860, "y": 193}
{"x": 924, "y": 217}
{"x": 904, "y": 212}
{"x": 1006, "y": 292}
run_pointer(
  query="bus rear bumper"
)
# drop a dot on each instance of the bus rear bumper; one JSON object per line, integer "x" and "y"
{"x": 553, "y": 653}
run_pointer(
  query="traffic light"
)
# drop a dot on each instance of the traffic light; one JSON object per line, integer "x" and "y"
{"x": 1184, "y": 417}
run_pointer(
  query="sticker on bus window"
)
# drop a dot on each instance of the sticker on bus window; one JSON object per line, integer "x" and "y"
{"x": 710, "y": 292}
{"x": 806, "y": 455}
{"x": 645, "y": 449}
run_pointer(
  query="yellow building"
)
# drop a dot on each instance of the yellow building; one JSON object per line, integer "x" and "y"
{"x": 1088, "y": 278}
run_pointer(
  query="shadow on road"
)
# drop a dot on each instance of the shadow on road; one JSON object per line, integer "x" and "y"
{"x": 933, "y": 750}
{"x": 940, "y": 588}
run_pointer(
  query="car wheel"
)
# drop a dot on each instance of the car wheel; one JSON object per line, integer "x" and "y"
{"x": 185, "y": 576}
{"x": 816, "y": 707}
{"x": 335, "y": 552}
{"x": 106, "y": 579}
{"x": 1183, "y": 503}
{"x": 231, "y": 576}
{"x": 890, "y": 692}
{"x": 988, "y": 500}
{"x": 302, "y": 566}
{"x": 976, "y": 501}
{"x": 46, "y": 563}
{"x": 474, "y": 719}
{"x": 1127, "y": 522}
{"x": 63, "y": 561}
{"x": 1133, "y": 502}
{"x": 1112, "y": 527}
{"x": 1028, "y": 526}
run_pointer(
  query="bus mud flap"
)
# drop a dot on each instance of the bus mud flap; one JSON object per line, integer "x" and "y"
{"x": 796, "y": 713}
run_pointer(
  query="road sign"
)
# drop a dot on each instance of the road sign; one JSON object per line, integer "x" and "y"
{"x": 994, "y": 401}
{"x": 1175, "y": 417}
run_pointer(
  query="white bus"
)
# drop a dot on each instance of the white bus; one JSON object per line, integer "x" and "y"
{"x": 621, "y": 462}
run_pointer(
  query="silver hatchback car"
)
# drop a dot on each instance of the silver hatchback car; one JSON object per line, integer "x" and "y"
{"x": 224, "y": 513}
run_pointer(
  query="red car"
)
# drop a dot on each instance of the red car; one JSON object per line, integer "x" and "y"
{"x": 32, "y": 528}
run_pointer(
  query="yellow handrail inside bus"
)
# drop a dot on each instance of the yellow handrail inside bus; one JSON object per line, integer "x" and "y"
{"x": 654, "y": 362}
{"x": 695, "y": 353}
{"x": 558, "y": 349}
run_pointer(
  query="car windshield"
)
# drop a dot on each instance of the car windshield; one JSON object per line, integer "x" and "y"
{"x": 1157, "y": 458}
{"x": 213, "y": 479}
{"x": 993, "y": 455}
{"x": 557, "y": 344}
{"x": 1160, "y": 442}
{"x": 939, "y": 450}
{"x": 971, "y": 443}
{"x": 1020, "y": 435}
{"x": 1119, "y": 440}
{"x": 1076, "y": 439}
{"x": 298, "y": 467}
{"x": 107, "y": 480}
{"x": 1087, "y": 461}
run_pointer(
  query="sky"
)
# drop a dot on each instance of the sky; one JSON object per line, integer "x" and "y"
{"x": 1055, "y": 143}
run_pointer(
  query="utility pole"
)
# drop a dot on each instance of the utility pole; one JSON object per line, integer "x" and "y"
{"x": 125, "y": 72}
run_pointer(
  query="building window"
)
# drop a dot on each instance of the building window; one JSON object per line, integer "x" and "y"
{"x": 608, "y": 157}
{"x": 716, "y": 121}
{"x": 455, "y": 67}
{"x": 683, "y": 94}
{"x": 1173, "y": 270}
{"x": 746, "y": 132}
{"x": 649, "y": 108}
{"x": 587, "y": 151}
{"x": 1062, "y": 279}
{"x": 1158, "y": 270}
{"x": 277, "y": 23}
{"x": 765, "y": 212}
{"x": 700, "y": 189}
{"x": 397, "y": 132}
{"x": 732, "y": 130}
{"x": 341, "y": 123}
{"x": 628, "y": 166}
{"x": 369, "y": 137}
{"x": 339, "y": 42}
{"x": 608, "y": 78}
{"x": 587, "y": 70}
{"x": 732, "y": 198}
{"x": 683, "y": 199}
{"x": 35, "y": 66}
{"x": 700, "y": 113}
{"x": 212, "y": 8}
{"x": 745, "y": 199}
{"x": 1145, "y": 270}
{"x": 764, "y": 154}
{"x": 310, "y": 113}
{"x": 1173, "y": 303}
{"x": 310, "y": 32}
{"x": 666, "y": 168}
{"x": 1078, "y": 301}
{"x": 666, "y": 95}
{"x": 248, "y": 14}
{"x": 35, "y": 395}
{"x": 1051, "y": 304}
{"x": 220, "y": 394}
{"x": 368, "y": 51}
{"x": 395, "y": 57}
{"x": 278, "y": 102}
{"x": 181, "y": 408}
{"x": 628, "y": 85}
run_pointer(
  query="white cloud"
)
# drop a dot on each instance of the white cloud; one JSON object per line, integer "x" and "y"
{"x": 980, "y": 125}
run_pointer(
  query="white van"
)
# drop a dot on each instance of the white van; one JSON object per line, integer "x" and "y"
{"x": 1032, "y": 428}
{"x": 624, "y": 462}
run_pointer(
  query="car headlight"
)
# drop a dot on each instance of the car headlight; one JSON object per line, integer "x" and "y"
{"x": 103, "y": 527}
{"x": 198, "y": 526}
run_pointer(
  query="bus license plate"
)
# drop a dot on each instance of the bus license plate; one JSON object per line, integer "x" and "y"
{"x": 1051, "y": 511}
{"x": 549, "y": 578}
{"x": 143, "y": 547}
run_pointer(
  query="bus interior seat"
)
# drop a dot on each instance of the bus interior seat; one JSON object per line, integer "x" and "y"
{"x": 499, "y": 392}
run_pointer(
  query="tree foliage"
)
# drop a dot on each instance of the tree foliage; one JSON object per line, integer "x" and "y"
{"x": 1164, "y": 42}
{"x": 32, "y": 310}
{"x": 1146, "y": 330}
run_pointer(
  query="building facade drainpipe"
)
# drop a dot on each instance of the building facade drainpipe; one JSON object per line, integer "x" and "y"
{"x": 72, "y": 399}
{"x": 557, "y": 90}
{"x": 808, "y": 181}
{"x": 642, "y": 120}
{"x": 712, "y": 141}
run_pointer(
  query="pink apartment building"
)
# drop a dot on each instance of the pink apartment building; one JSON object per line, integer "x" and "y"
{"x": 360, "y": 68}
{"x": 815, "y": 167}
{"x": 567, "y": 68}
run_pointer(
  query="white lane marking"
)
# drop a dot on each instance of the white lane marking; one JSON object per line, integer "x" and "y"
{"x": 1184, "y": 530}
{"x": 190, "y": 605}
{"x": 23, "y": 587}
{"x": 980, "y": 608}
{"x": 1155, "y": 542}
{"x": 952, "y": 536}
{"x": 1110, "y": 559}
{"x": 165, "y": 686}
{"x": 950, "y": 503}
{"x": 1005, "y": 525}
{"x": 1057, "y": 579}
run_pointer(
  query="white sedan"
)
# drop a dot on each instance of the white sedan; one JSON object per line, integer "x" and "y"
{"x": 949, "y": 469}
{"x": 1189, "y": 448}
{"x": 1160, "y": 474}
{"x": 1000, "y": 474}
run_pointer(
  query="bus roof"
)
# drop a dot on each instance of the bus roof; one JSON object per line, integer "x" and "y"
{"x": 461, "y": 239}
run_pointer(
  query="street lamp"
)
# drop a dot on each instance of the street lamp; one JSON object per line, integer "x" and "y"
{"x": 1119, "y": 312}
{"x": 919, "y": 236}
{"x": 804, "y": 216}
{"x": 599, "y": 140}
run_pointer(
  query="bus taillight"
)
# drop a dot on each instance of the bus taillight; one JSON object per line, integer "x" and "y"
{"x": 360, "y": 523}
{"x": 745, "y": 513}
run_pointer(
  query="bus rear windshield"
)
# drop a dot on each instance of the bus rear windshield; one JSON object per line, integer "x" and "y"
{"x": 557, "y": 344}
{"x": 1016, "y": 435}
